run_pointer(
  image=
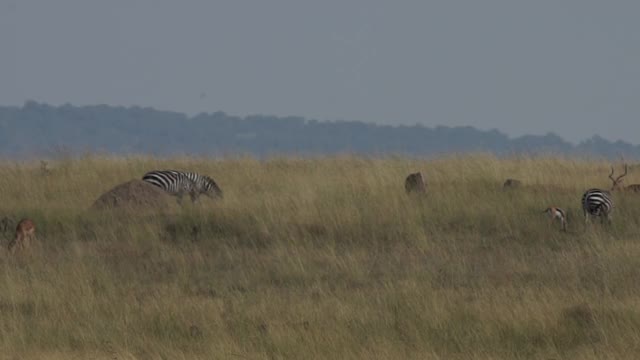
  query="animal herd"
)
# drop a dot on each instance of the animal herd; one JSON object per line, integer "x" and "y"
{"x": 595, "y": 202}
{"x": 177, "y": 183}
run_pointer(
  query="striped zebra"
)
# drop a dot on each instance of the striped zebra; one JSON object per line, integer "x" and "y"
{"x": 179, "y": 183}
{"x": 597, "y": 202}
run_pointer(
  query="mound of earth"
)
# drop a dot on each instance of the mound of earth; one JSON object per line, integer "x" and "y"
{"x": 135, "y": 194}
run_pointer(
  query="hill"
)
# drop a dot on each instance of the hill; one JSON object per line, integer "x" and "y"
{"x": 38, "y": 129}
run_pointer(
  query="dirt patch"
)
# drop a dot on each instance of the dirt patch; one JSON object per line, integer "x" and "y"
{"x": 136, "y": 195}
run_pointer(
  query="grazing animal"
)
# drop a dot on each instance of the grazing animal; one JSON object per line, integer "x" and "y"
{"x": 618, "y": 182}
{"x": 25, "y": 232}
{"x": 557, "y": 213}
{"x": 632, "y": 188}
{"x": 511, "y": 183}
{"x": 179, "y": 183}
{"x": 44, "y": 168}
{"x": 597, "y": 202}
{"x": 414, "y": 183}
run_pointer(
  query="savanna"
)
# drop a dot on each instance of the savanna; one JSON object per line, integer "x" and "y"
{"x": 321, "y": 258}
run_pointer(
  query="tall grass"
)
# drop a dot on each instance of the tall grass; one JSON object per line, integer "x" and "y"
{"x": 322, "y": 259}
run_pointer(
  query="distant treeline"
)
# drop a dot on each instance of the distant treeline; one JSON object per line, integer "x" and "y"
{"x": 38, "y": 129}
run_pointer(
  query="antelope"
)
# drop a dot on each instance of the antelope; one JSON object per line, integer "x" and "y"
{"x": 617, "y": 182}
{"x": 25, "y": 232}
{"x": 415, "y": 183}
{"x": 557, "y": 213}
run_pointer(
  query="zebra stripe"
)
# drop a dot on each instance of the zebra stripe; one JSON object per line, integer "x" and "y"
{"x": 597, "y": 202}
{"x": 179, "y": 183}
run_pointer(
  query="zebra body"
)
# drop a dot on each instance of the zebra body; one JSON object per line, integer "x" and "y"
{"x": 597, "y": 202}
{"x": 179, "y": 183}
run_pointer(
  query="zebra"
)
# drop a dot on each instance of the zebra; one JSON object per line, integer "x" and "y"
{"x": 597, "y": 202}
{"x": 179, "y": 183}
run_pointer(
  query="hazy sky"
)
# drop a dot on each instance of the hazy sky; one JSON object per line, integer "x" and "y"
{"x": 571, "y": 67}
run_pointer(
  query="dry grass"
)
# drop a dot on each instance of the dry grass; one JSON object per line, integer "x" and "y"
{"x": 322, "y": 259}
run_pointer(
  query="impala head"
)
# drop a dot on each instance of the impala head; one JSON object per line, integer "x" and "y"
{"x": 617, "y": 182}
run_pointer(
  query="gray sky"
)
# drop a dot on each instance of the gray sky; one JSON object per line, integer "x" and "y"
{"x": 571, "y": 67}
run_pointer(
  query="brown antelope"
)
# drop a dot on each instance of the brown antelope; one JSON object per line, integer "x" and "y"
{"x": 414, "y": 183}
{"x": 617, "y": 182}
{"x": 557, "y": 213}
{"x": 25, "y": 232}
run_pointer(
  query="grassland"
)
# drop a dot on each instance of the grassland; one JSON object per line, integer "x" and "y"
{"x": 322, "y": 259}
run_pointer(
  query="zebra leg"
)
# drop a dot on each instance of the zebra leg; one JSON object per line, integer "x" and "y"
{"x": 194, "y": 196}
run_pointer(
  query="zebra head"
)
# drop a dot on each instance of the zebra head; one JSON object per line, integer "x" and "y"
{"x": 212, "y": 189}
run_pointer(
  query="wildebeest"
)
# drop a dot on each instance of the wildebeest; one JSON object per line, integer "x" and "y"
{"x": 5, "y": 223}
{"x": 511, "y": 183}
{"x": 415, "y": 183}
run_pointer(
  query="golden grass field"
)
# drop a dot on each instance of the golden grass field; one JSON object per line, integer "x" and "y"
{"x": 323, "y": 258}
